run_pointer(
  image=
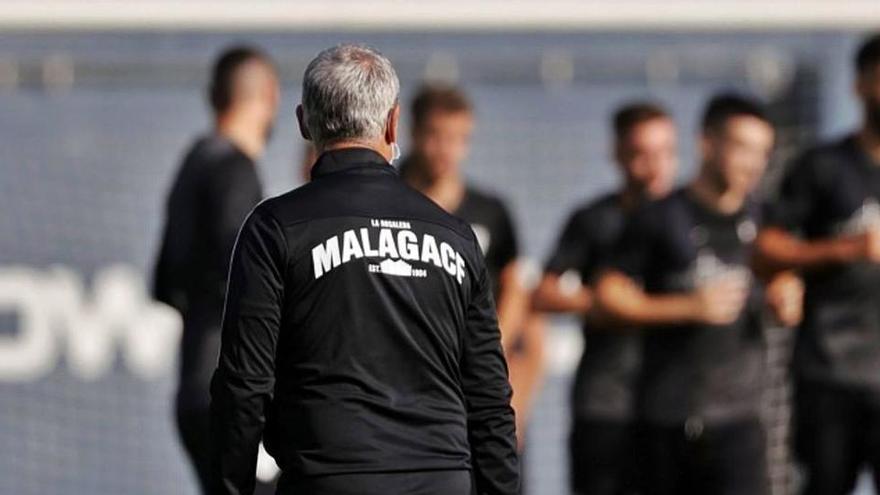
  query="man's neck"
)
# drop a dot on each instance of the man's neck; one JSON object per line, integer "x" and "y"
{"x": 869, "y": 140}
{"x": 711, "y": 194}
{"x": 447, "y": 191}
{"x": 630, "y": 197}
{"x": 355, "y": 143}
{"x": 248, "y": 138}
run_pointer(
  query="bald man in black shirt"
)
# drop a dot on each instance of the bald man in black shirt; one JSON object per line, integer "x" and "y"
{"x": 215, "y": 188}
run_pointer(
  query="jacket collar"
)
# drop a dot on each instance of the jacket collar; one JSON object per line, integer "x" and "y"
{"x": 347, "y": 159}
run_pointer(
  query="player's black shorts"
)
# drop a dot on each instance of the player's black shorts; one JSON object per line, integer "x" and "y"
{"x": 837, "y": 435}
{"x": 603, "y": 457}
{"x": 727, "y": 459}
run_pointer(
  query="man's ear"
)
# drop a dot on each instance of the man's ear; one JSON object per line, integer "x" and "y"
{"x": 391, "y": 127}
{"x": 302, "y": 123}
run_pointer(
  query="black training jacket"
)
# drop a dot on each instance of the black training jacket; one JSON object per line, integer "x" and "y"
{"x": 360, "y": 336}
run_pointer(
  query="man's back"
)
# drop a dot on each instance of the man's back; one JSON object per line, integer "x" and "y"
{"x": 367, "y": 311}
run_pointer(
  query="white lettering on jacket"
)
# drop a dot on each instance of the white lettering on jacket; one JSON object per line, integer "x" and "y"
{"x": 392, "y": 248}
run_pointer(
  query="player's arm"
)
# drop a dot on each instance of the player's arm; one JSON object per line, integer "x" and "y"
{"x": 242, "y": 385}
{"x": 513, "y": 298}
{"x": 785, "y": 251}
{"x": 785, "y": 298}
{"x": 561, "y": 289}
{"x": 513, "y": 304}
{"x": 527, "y": 372}
{"x": 625, "y": 302}
{"x": 167, "y": 284}
{"x": 783, "y": 290}
{"x": 559, "y": 294}
{"x": 169, "y": 276}
{"x": 799, "y": 198}
{"x": 487, "y": 393}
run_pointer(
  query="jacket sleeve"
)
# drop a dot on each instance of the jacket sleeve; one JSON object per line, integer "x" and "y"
{"x": 172, "y": 266}
{"x": 491, "y": 426}
{"x": 243, "y": 383}
{"x": 167, "y": 287}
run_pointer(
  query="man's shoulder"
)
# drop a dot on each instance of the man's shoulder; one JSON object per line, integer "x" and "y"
{"x": 435, "y": 213}
{"x": 479, "y": 206}
{"x": 835, "y": 147}
{"x": 292, "y": 206}
{"x": 479, "y": 198}
{"x": 212, "y": 148}
{"x": 825, "y": 155}
{"x": 605, "y": 204}
{"x": 319, "y": 199}
{"x": 659, "y": 214}
{"x": 213, "y": 158}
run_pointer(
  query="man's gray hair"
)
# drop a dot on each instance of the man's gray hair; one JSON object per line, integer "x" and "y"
{"x": 348, "y": 93}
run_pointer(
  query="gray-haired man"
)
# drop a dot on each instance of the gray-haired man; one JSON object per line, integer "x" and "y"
{"x": 359, "y": 327}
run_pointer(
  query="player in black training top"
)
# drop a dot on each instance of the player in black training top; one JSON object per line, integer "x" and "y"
{"x": 602, "y": 443}
{"x": 214, "y": 190}
{"x": 826, "y": 222}
{"x": 442, "y": 123}
{"x": 683, "y": 271}
{"x": 359, "y": 335}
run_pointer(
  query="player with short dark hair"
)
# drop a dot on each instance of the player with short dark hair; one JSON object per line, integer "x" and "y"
{"x": 602, "y": 444}
{"x": 724, "y": 107}
{"x": 435, "y": 97}
{"x": 826, "y": 223}
{"x": 215, "y": 188}
{"x": 628, "y": 117}
{"x": 682, "y": 272}
{"x": 868, "y": 56}
{"x": 442, "y": 123}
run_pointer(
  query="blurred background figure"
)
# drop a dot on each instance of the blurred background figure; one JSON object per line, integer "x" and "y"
{"x": 442, "y": 125}
{"x": 215, "y": 188}
{"x": 682, "y": 270}
{"x": 603, "y": 442}
{"x": 826, "y": 222}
